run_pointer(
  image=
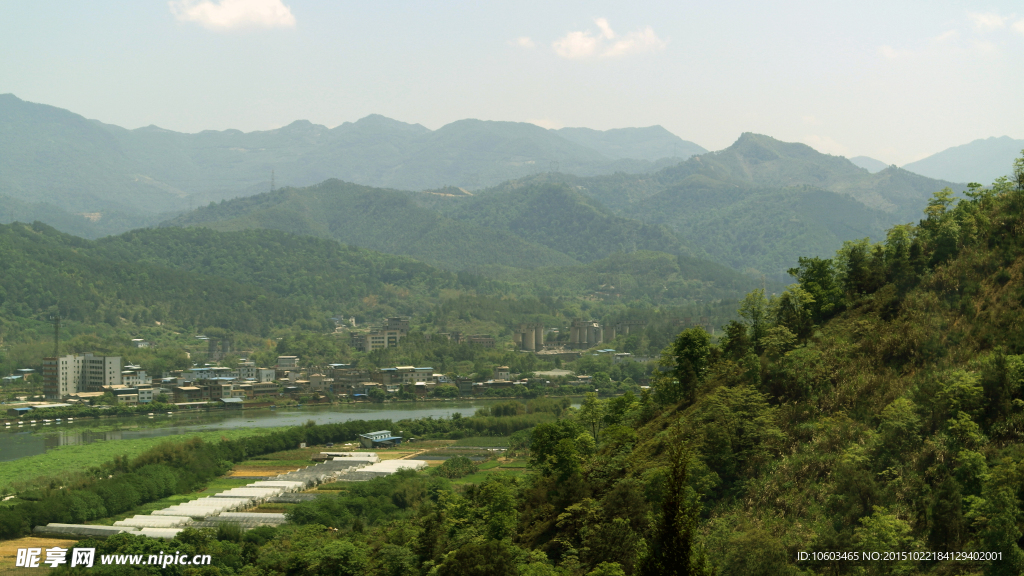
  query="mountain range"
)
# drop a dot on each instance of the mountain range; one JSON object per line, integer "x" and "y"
{"x": 494, "y": 195}
{"x": 55, "y": 156}
{"x": 982, "y": 161}
{"x": 759, "y": 204}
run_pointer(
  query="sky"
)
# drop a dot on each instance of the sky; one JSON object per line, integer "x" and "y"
{"x": 894, "y": 81}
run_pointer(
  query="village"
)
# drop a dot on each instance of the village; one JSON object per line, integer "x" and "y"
{"x": 96, "y": 380}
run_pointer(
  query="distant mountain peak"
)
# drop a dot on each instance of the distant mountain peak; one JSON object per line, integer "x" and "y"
{"x": 764, "y": 148}
{"x": 868, "y": 163}
{"x": 378, "y": 121}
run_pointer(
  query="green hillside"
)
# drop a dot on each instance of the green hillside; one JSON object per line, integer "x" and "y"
{"x": 383, "y": 220}
{"x": 41, "y": 268}
{"x": 53, "y": 156}
{"x": 86, "y": 225}
{"x": 874, "y": 407}
{"x": 759, "y": 161}
{"x": 762, "y": 231}
{"x": 563, "y": 219}
{"x": 759, "y": 204}
{"x": 651, "y": 278}
{"x": 319, "y": 275}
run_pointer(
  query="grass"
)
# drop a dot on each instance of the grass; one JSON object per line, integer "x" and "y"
{"x": 66, "y": 461}
{"x": 487, "y": 472}
{"x": 516, "y": 464}
{"x": 483, "y": 441}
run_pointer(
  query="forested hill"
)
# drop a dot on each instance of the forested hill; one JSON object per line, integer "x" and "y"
{"x": 41, "y": 268}
{"x": 248, "y": 281}
{"x": 560, "y": 218}
{"x": 761, "y": 203}
{"x": 384, "y": 220}
{"x": 876, "y": 406}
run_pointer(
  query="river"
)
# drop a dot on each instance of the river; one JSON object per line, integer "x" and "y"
{"x": 27, "y": 440}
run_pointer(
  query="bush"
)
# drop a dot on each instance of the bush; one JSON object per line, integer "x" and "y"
{"x": 456, "y": 467}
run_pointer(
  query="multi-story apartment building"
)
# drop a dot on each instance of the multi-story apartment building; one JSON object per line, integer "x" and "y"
{"x": 400, "y": 375}
{"x": 376, "y": 339}
{"x": 249, "y": 371}
{"x": 134, "y": 376}
{"x": 400, "y": 323}
{"x": 65, "y": 375}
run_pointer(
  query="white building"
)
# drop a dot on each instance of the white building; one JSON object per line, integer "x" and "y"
{"x": 71, "y": 374}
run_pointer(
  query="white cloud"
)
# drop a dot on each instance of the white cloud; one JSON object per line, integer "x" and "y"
{"x": 579, "y": 45}
{"x": 576, "y": 45}
{"x": 229, "y": 14}
{"x": 524, "y": 42}
{"x": 988, "y": 20}
{"x": 1019, "y": 26}
{"x": 606, "y": 29}
{"x": 947, "y": 36}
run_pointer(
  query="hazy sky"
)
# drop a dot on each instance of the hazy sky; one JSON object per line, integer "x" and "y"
{"x": 895, "y": 81}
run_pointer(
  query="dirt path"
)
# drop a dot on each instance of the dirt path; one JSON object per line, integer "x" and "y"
{"x": 268, "y": 471}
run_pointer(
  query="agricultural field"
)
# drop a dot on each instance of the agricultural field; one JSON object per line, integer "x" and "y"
{"x": 68, "y": 461}
{"x": 483, "y": 441}
{"x": 9, "y": 553}
{"x": 515, "y": 467}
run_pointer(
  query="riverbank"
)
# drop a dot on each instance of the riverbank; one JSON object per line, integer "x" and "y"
{"x": 65, "y": 462}
{"x": 19, "y": 443}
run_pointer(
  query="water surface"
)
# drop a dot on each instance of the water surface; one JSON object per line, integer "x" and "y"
{"x": 28, "y": 440}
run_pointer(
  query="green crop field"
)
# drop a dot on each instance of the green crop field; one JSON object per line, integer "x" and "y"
{"x": 67, "y": 461}
{"x": 483, "y": 441}
{"x": 516, "y": 464}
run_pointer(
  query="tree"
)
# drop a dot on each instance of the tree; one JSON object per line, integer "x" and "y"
{"x": 560, "y": 447}
{"x": 592, "y": 413}
{"x": 377, "y": 395}
{"x": 672, "y": 548}
{"x": 819, "y": 278}
{"x": 794, "y": 310}
{"x": 688, "y": 358}
{"x": 1018, "y": 172}
{"x": 445, "y": 391}
{"x": 754, "y": 309}
{"x": 490, "y": 558}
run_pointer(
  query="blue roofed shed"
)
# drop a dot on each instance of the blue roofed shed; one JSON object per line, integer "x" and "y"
{"x": 379, "y": 439}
